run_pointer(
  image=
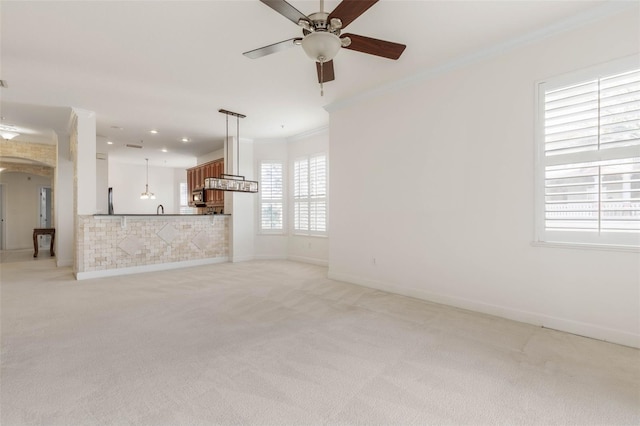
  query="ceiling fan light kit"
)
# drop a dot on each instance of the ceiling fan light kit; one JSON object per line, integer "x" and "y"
{"x": 321, "y": 46}
{"x": 321, "y": 39}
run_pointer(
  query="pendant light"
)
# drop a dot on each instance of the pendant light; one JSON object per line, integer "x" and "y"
{"x": 229, "y": 182}
{"x": 146, "y": 195}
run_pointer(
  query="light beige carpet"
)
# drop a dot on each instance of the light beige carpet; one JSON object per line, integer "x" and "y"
{"x": 275, "y": 342}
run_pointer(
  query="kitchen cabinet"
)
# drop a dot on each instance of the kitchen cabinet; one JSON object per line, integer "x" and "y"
{"x": 197, "y": 175}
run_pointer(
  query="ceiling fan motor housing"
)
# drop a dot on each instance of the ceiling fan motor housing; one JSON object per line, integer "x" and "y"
{"x": 318, "y": 22}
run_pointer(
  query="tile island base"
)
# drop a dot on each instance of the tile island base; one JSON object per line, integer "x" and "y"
{"x": 109, "y": 245}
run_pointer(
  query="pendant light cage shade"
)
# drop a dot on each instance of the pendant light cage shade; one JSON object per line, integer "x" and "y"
{"x": 229, "y": 182}
{"x": 146, "y": 195}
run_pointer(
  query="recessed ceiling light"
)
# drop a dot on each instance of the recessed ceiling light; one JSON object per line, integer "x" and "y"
{"x": 154, "y": 131}
{"x": 185, "y": 139}
{"x": 109, "y": 143}
{"x": 164, "y": 149}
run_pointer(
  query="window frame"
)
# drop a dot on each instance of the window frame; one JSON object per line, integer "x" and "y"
{"x": 308, "y": 198}
{"x": 609, "y": 240}
{"x": 283, "y": 229}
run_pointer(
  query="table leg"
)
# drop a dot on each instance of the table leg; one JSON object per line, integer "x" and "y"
{"x": 35, "y": 244}
{"x": 53, "y": 238}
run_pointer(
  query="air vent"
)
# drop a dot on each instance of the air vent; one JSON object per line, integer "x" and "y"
{"x": 101, "y": 156}
{"x": 134, "y": 146}
{"x": 3, "y": 83}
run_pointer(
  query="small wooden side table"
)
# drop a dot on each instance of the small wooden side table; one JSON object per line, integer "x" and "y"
{"x": 43, "y": 231}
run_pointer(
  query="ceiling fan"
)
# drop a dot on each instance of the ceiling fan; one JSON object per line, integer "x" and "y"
{"x": 321, "y": 35}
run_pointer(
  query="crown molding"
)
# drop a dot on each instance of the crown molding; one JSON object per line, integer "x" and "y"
{"x": 308, "y": 133}
{"x": 598, "y": 13}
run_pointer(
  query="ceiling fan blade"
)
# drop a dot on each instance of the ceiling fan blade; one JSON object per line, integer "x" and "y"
{"x": 373, "y": 46}
{"x": 349, "y": 10}
{"x": 286, "y": 10}
{"x": 272, "y": 48}
{"x": 327, "y": 72}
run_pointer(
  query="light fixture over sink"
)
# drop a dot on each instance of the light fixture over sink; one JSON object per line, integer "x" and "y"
{"x": 146, "y": 195}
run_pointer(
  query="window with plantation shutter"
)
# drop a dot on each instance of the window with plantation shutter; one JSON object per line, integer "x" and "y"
{"x": 589, "y": 156}
{"x": 271, "y": 197}
{"x": 184, "y": 200}
{"x": 310, "y": 195}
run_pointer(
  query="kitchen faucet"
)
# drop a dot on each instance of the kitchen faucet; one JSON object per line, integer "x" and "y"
{"x": 160, "y": 207}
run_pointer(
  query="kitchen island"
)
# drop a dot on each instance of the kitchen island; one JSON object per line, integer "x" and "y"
{"x": 108, "y": 245}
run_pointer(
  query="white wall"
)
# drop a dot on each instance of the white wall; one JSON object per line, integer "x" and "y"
{"x": 128, "y": 182}
{"x": 102, "y": 183}
{"x": 22, "y": 209}
{"x": 64, "y": 202}
{"x": 212, "y": 156}
{"x": 84, "y": 123}
{"x": 441, "y": 188}
{"x": 241, "y": 206}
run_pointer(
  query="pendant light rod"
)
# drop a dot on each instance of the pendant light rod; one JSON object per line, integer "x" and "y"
{"x": 238, "y": 116}
{"x": 226, "y": 144}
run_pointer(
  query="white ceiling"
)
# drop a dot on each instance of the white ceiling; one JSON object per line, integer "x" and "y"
{"x": 170, "y": 65}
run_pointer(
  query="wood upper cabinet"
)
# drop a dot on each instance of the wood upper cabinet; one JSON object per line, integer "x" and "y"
{"x": 197, "y": 175}
{"x": 191, "y": 184}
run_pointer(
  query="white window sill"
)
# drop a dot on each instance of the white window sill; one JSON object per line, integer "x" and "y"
{"x": 585, "y": 246}
{"x": 272, "y": 233}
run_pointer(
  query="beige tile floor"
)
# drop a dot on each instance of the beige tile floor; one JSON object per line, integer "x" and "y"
{"x": 276, "y": 342}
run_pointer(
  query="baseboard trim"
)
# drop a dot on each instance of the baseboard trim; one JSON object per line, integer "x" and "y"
{"x": 269, "y": 257}
{"x": 237, "y": 259}
{"x": 148, "y": 268}
{"x": 312, "y": 260}
{"x": 561, "y": 324}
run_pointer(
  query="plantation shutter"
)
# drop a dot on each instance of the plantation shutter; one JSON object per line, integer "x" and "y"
{"x": 318, "y": 193}
{"x": 310, "y": 195}
{"x": 271, "y": 196}
{"x": 591, "y": 155}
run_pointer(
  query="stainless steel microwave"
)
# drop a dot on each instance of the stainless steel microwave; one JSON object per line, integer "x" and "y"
{"x": 198, "y": 196}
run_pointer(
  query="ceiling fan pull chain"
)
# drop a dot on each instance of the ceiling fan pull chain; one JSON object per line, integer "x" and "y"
{"x": 321, "y": 78}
